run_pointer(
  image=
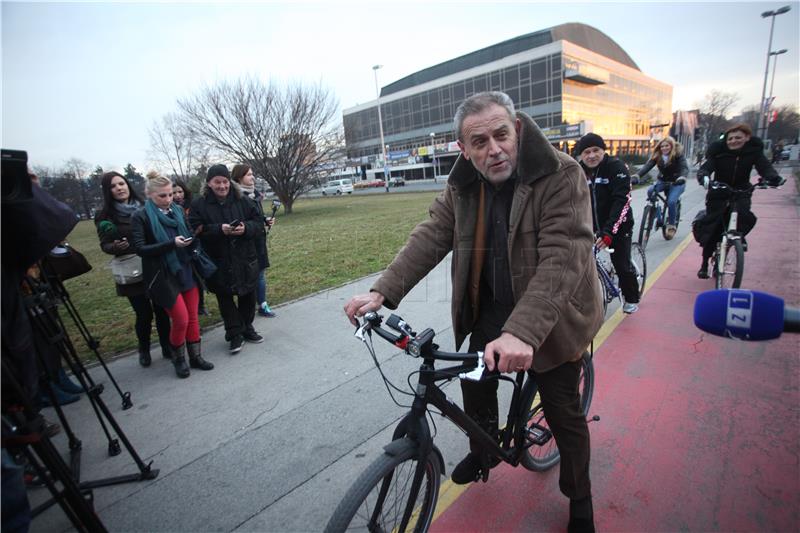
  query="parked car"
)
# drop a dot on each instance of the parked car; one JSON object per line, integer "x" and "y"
{"x": 397, "y": 181}
{"x": 338, "y": 187}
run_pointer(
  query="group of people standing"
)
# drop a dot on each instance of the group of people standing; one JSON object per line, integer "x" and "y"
{"x": 215, "y": 242}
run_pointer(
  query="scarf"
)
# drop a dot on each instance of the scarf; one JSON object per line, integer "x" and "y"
{"x": 158, "y": 220}
{"x": 127, "y": 209}
{"x": 249, "y": 191}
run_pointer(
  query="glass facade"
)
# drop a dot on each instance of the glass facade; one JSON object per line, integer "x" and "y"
{"x": 529, "y": 84}
{"x": 558, "y": 90}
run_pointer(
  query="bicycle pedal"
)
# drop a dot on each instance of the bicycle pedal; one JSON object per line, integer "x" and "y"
{"x": 539, "y": 435}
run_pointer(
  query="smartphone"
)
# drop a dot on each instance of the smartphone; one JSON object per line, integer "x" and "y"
{"x": 188, "y": 239}
{"x": 235, "y": 223}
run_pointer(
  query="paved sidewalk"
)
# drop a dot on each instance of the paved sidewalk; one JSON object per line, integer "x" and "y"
{"x": 697, "y": 433}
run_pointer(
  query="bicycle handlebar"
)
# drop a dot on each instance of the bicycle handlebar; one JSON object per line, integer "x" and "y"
{"x": 417, "y": 345}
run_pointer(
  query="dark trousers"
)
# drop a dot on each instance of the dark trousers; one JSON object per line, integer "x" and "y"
{"x": 238, "y": 316}
{"x": 145, "y": 309}
{"x": 621, "y": 259}
{"x": 558, "y": 389}
{"x": 745, "y": 221}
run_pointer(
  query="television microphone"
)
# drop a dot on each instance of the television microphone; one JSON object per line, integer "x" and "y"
{"x": 745, "y": 315}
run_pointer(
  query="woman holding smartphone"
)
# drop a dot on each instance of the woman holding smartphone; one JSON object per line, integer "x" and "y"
{"x": 113, "y": 223}
{"x": 164, "y": 241}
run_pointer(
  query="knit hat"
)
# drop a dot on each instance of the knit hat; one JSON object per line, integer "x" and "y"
{"x": 589, "y": 140}
{"x": 217, "y": 170}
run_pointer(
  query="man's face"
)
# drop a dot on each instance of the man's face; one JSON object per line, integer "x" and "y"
{"x": 736, "y": 139}
{"x": 592, "y": 156}
{"x": 220, "y": 185}
{"x": 490, "y": 142}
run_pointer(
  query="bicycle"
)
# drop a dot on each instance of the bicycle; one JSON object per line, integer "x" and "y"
{"x": 399, "y": 490}
{"x": 655, "y": 213}
{"x": 609, "y": 281}
{"x": 728, "y": 258}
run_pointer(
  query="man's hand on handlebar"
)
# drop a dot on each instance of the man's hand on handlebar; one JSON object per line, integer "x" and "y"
{"x": 513, "y": 354}
{"x": 361, "y": 304}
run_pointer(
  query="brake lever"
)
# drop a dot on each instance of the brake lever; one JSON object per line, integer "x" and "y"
{"x": 477, "y": 374}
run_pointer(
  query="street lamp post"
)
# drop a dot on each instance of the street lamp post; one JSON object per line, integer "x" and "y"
{"x": 762, "y": 118}
{"x": 771, "y": 87}
{"x": 433, "y": 155}
{"x": 386, "y": 171}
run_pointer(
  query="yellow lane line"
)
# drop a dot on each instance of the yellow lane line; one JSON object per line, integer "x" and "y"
{"x": 449, "y": 492}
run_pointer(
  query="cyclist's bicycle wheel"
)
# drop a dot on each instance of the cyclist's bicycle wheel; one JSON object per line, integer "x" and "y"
{"x": 639, "y": 261}
{"x": 378, "y": 498}
{"x": 542, "y": 453}
{"x": 729, "y": 273}
{"x": 647, "y": 224}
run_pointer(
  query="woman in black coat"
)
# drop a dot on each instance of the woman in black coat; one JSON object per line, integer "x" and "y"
{"x": 672, "y": 172}
{"x": 113, "y": 223}
{"x": 164, "y": 242}
{"x": 229, "y": 226}
{"x": 731, "y": 162}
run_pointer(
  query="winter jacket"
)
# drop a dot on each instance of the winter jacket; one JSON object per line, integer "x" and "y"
{"x": 557, "y": 304}
{"x": 734, "y": 166}
{"x": 261, "y": 239}
{"x": 162, "y": 286}
{"x": 124, "y": 229}
{"x": 235, "y": 257}
{"x": 610, "y": 184}
{"x": 670, "y": 172}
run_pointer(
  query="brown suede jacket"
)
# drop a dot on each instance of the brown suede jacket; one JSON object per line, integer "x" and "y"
{"x": 558, "y": 308}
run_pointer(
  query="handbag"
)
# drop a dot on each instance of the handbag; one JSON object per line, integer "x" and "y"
{"x": 202, "y": 263}
{"x": 127, "y": 269}
{"x": 67, "y": 262}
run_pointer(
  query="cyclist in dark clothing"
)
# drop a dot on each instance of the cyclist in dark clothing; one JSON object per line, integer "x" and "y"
{"x": 672, "y": 172}
{"x": 610, "y": 184}
{"x": 731, "y": 161}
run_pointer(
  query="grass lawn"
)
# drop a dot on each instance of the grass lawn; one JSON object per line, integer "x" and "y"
{"x": 323, "y": 243}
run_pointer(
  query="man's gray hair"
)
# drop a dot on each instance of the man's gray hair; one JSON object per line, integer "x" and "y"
{"x": 477, "y": 103}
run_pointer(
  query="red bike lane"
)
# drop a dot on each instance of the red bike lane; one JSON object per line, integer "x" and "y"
{"x": 696, "y": 432}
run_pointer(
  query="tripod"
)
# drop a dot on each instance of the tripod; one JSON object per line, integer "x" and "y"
{"x": 41, "y": 306}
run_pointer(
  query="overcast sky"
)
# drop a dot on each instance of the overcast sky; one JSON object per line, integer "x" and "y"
{"x": 88, "y": 80}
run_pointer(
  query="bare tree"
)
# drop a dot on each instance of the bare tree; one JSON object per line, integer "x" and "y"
{"x": 290, "y": 136}
{"x": 171, "y": 142}
{"x": 714, "y": 111}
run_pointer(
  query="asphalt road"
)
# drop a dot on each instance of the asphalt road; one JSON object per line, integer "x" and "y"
{"x": 271, "y": 438}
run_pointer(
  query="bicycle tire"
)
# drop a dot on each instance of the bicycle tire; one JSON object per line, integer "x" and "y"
{"x": 729, "y": 274}
{"x": 355, "y": 510}
{"x": 639, "y": 260}
{"x": 647, "y": 225}
{"x": 540, "y": 458}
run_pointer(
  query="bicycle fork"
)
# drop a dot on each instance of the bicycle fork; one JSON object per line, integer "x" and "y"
{"x": 723, "y": 244}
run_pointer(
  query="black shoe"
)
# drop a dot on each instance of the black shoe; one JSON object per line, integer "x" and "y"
{"x": 179, "y": 361}
{"x": 581, "y": 516}
{"x": 144, "y": 355}
{"x": 236, "y": 344}
{"x": 252, "y": 336}
{"x": 703, "y": 272}
{"x": 469, "y": 469}
{"x": 195, "y": 359}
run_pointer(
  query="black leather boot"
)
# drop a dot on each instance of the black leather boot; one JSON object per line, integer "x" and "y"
{"x": 195, "y": 359}
{"x": 144, "y": 354}
{"x": 179, "y": 361}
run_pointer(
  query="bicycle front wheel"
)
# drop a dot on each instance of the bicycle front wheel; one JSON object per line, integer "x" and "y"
{"x": 380, "y": 495}
{"x": 639, "y": 261}
{"x": 647, "y": 225}
{"x": 542, "y": 453}
{"x": 730, "y": 271}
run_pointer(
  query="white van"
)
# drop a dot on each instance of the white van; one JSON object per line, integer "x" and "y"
{"x": 338, "y": 187}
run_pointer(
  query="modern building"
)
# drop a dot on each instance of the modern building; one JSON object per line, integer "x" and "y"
{"x": 570, "y": 78}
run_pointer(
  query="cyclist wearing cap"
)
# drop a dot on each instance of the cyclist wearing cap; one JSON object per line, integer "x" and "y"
{"x": 731, "y": 161}
{"x": 610, "y": 184}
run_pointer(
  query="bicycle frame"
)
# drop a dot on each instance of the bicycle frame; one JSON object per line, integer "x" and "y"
{"x": 606, "y": 275}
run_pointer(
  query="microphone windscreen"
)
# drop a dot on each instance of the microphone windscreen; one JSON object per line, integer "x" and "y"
{"x": 738, "y": 313}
